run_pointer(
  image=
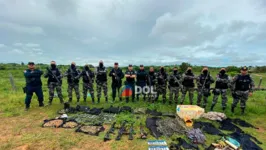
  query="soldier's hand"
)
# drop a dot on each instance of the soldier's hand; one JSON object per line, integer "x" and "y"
{"x": 250, "y": 94}
{"x": 113, "y": 74}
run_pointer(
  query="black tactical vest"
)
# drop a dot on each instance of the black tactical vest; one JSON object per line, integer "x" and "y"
{"x": 102, "y": 77}
{"x": 243, "y": 83}
{"x": 189, "y": 82}
{"x": 222, "y": 85}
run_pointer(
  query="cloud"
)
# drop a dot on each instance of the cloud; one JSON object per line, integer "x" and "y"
{"x": 17, "y": 51}
{"x": 18, "y": 44}
{"x": 31, "y": 30}
{"x": 90, "y": 40}
{"x": 32, "y": 45}
{"x": 2, "y": 45}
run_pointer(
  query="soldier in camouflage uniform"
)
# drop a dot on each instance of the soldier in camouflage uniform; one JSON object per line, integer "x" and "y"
{"x": 161, "y": 84}
{"x": 204, "y": 82}
{"x": 101, "y": 80}
{"x": 73, "y": 81}
{"x": 141, "y": 81}
{"x": 88, "y": 80}
{"x": 188, "y": 85}
{"x": 221, "y": 87}
{"x": 54, "y": 82}
{"x": 242, "y": 87}
{"x": 151, "y": 81}
{"x": 174, "y": 85}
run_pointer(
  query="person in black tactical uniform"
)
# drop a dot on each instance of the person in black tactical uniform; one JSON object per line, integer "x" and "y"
{"x": 188, "y": 85}
{"x": 141, "y": 81}
{"x": 174, "y": 85}
{"x": 33, "y": 85}
{"x": 101, "y": 80}
{"x": 204, "y": 82}
{"x": 221, "y": 86}
{"x": 73, "y": 81}
{"x": 242, "y": 87}
{"x": 88, "y": 80}
{"x": 54, "y": 82}
{"x": 117, "y": 76}
{"x": 130, "y": 75}
{"x": 161, "y": 84}
{"x": 151, "y": 81}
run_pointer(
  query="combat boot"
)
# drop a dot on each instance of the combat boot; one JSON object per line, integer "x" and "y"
{"x": 84, "y": 99}
{"x": 224, "y": 109}
{"x": 106, "y": 100}
{"x": 120, "y": 99}
{"x": 41, "y": 104}
{"x": 212, "y": 107}
{"x": 170, "y": 102}
{"x": 92, "y": 100}
{"x": 98, "y": 101}
{"x": 127, "y": 99}
{"x": 61, "y": 101}
{"x": 232, "y": 109}
{"x": 77, "y": 101}
{"x": 144, "y": 98}
{"x": 27, "y": 108}
{"x": 50, "y": 102}
{"x": 70, "y": 100}
{"x": 242, "y": 111}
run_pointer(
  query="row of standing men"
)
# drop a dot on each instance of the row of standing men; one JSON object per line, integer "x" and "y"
{"x": 241, "y": 85}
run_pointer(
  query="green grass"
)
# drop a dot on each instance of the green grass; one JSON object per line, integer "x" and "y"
{"x": 22, "y": 128}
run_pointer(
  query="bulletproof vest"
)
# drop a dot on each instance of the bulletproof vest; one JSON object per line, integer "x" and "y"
{"x": 141, "y": 76}
{"x": 150, "y": 78}
{"x": 74, "y": 73}
{"x": 188, "y": 82}
{"x": 172, "y": 80}
{"x": 130, "y": 80}
{"x": 103, "y": 76}
{"x": 221, "y": 85}
{"x": 118, "y": 73}
{"x": 34, "y": 80}
{"x": 243, "y": 83}
{"x": 162, "y": 81}
{"x": 51, "y": 77}
{"x": 203, "y": 80}
{"x": 85, "y": 76}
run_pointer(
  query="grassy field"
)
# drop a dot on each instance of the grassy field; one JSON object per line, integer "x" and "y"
{"x": 22, "y": 130}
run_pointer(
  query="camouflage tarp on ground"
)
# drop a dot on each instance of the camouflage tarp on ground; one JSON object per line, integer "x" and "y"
{"x": 88, "y": 119}
{"x": 169, "y": 126}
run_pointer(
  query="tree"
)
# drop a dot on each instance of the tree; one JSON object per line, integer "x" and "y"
{"x": 184, "y": 66}
{"x": 22, "y": 64}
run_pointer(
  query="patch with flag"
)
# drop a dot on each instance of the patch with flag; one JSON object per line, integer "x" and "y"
{"x": 126, "y": 91}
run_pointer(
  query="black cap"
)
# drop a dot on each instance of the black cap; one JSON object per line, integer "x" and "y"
{"x": 244, "y": 68}
{"x": 31, "y": 63}
{"x": 129, "y": 65}
{"x": 116, "y": 63}
{"x": 141, "y": 65}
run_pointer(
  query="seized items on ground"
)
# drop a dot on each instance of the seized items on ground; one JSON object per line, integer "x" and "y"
{"x": 55, "y": 123}
{"x": 110, "y": 131}
{"x": 196, "y": 136}
{"x": 70, "y": 124}
{"x": 189, "y": 111}
{"x": 91, "y": 130}
{"x": 214, "y": 116}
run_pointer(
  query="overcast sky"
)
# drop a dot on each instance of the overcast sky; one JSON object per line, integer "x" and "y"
{"x": 201, "y": 32}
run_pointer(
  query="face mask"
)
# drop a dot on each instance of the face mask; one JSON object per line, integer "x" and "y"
{"x": 151, "y": 72}
{"x": 175, "y": 71}
{"x": 53, "y": 66}
{"x": 86, "y": 68}
{"x": 162, "y": 69}
{"x": 101, "y": 65}
{"x": 222, "y": 72}
{"x": 205, "y": 72}
{"x": 73, "y": 66}
{"x": 189, "y": 71}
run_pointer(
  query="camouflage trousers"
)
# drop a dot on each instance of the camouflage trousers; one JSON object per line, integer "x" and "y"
{"x": 88, "y": 87}
{"x": 52, "y": 86}
{"x": 205, "y": 93}
{"x": 221, "y": 92}
{"x": 241, "y": 96}
{"x": 184, "y": 91}
{"x": 161, "y": 89}
{"x": 74, "y": 86}
{"x": 100, "y": 86}
{"x": 174, "y": 91}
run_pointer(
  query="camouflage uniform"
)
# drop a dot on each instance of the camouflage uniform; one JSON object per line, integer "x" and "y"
{"x": 161, "y": 85}
{"x": 174, "y": 86}
{"x": 241, "y": 86}
{"x": 188, "y": 86}
{"x": 73, "y": 82}
{"x": 221, "y": 87}
{"x": 204, "y": 91}
{"x": 151, "y": 81}
{"x": 53, "y": 83}
{"x": 101, "y": 80}
{"x": 88, "y": 80}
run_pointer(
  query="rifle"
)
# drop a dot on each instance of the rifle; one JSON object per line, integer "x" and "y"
{"x": 116, "y": 77}
{"x": 143, "y": 134}
{"x": 205, "y": 81}
{"x": 131, "y": 132}
{"x": 88, "y": 76}
{"x": 121, "y": 131}
{"x": 71, "y": 74}
{"x": 177, "y": 81}
{"x": 111, "y": 130}
{"x": 54, "y": 76}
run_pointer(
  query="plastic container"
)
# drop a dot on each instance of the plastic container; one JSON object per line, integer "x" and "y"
{"x": 189, "y": 111}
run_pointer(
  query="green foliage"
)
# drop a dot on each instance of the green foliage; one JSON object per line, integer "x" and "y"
{"x": 183, "y": 67}
{"x": 232, "y": 69}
